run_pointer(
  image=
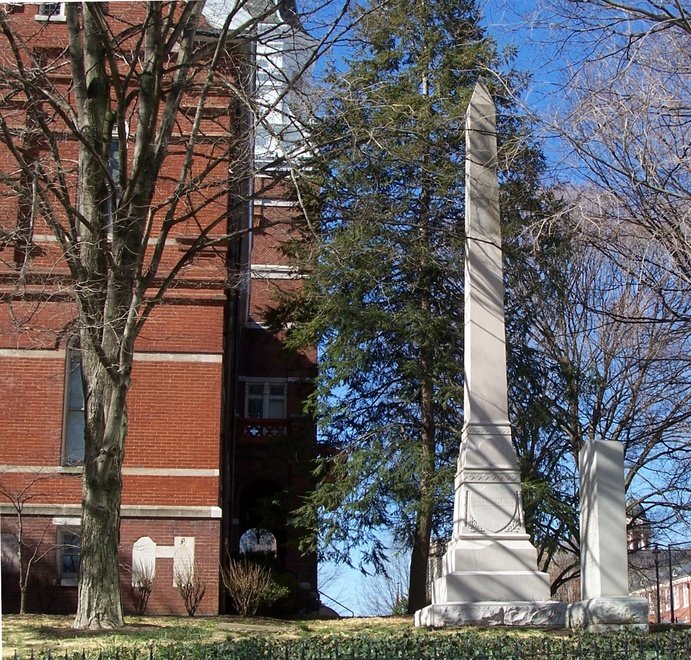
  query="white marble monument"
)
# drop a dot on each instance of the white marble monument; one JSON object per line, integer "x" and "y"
{"x": 490, "y": 562}
{"x": 143, "y": 560}
{"x": 605, "y": 597}
{"x": 489, "y": 574}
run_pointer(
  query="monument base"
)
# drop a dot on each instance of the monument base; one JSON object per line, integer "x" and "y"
{"x": 542, "y": 614}
{"x": 594, "y": 615}
{"x": 604, "y": 614}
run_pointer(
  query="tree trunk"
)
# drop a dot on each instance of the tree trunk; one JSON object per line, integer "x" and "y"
{"x": 22, "y": 586}
{"x": 106, "y": 427}
{"x": 105, "y": 372}
{"x": 419, "y": 559}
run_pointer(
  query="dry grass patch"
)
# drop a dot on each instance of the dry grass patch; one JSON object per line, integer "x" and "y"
{"x": 39, "y": 632}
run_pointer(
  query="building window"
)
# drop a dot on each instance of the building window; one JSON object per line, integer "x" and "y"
{"x": 258, "y": 541}
{"x": 50, "y": 11}
{"x": 113, "y": 165}
{"x": 265, "y": 401}
{"x": 69, "y": 542}
{"x": 73, "y": 435}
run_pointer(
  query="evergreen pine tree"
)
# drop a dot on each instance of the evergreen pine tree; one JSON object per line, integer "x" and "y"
{"x": 384, "y": 299}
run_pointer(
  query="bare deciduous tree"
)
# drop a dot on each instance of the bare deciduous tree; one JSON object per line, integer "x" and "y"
{"x": 620, "y": 16}
{"x": 615, "y": 367}
{"x": 250, "y": 585}
{"x": 29, "y": 548}
{"x": 617, "y": 343}
{"x": 629, "y": 128}
{"x": 386, "y": 593}
{"x": 142, "y": 586}
{"x": 130, "y": 146}
{"x": 622, "y": 113}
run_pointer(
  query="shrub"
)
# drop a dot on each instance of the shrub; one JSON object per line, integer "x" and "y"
{"x": 250, "y": 586}
{"x": 191, "y": 586}
{"x": 142, "y": 585}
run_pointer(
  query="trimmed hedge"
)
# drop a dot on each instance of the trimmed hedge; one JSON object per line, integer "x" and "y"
{"x": 415, "y": 646}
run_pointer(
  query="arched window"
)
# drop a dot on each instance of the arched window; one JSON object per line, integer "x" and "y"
{"x": 257, "y": 540}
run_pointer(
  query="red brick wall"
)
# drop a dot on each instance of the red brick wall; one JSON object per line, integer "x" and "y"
{"x": 46, "y": 595}
{"x": 32, "y": 408}
{"x": 164, "y": 598}
{"x": 174, "y": 414}
{"x": 174, "y": 422}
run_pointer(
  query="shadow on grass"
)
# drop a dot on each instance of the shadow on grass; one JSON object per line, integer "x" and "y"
{"x": 131, "y": 629}
{"x": 147, "y": 631}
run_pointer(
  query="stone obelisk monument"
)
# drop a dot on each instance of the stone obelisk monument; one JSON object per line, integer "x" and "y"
{"x": 489, "y": 572}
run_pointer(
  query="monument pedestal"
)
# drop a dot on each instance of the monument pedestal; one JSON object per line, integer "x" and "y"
{"x": 488, "y": 575}
{"x": 501, "y": 568}
{"x": 605, "y": 603}
{"x": 608, "y": 614}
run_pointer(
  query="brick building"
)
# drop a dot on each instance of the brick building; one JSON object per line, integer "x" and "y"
{"x": 649, "y": 576}
{"x": 217, "y": 444}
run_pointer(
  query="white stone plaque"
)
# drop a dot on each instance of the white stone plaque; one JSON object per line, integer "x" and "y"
{"x": 143, "y": 560}
{"x": 183, "y": 558}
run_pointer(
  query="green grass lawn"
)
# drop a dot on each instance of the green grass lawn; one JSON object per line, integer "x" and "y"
{"x": 40, "y": 632}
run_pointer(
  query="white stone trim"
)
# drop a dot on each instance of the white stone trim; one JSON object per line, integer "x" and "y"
{"x": 275, "y": 272}
{"x": 126, "y": 511}
{"x": 67, "y": 522}
{"x": 282, "y": 203}
{"x": 31, "y": 353}
{"x": 148, "y": 511}
{"x": 215, "y": 358}
{"x": 132, "y": 471}
{"x": 51, "y": 238}
{"x": 170, "y": 472}
{"x": 37, "y": 469}
{"x": 260, "y": 379}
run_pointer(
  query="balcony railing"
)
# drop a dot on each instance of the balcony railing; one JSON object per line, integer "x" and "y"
{"x": 253, "y": 430}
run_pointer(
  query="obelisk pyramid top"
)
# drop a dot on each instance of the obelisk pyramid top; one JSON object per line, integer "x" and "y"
{"x": 481, "y": 127}
{"x": 481, "y": 94}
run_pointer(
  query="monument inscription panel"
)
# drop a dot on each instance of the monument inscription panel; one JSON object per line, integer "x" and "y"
{"x": 499, "y": 510}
